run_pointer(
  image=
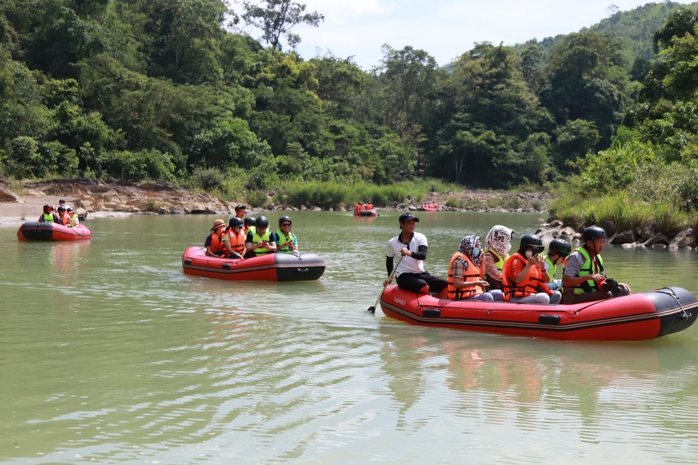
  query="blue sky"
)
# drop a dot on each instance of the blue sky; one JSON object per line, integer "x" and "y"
{"x": 443, "y": 28}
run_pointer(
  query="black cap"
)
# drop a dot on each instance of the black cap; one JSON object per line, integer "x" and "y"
{"x": 240, "y": 207}
{"x": 408, "y": 216}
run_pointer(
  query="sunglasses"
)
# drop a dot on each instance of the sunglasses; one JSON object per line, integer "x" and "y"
{"x": 285, "y": 224}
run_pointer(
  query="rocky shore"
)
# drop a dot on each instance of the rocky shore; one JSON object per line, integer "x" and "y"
{"x": 628, "y": 239}
{"x": 118, "y": 198}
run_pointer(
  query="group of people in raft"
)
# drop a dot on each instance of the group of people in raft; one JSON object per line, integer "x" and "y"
{"x": 363, "y": 206}
{"x": 63, "y": 215}
{"x": 247, "y": 237}
{"x": 492, "y": 274}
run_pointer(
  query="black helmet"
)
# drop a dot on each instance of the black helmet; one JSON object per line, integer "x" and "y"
{"x": 560, "y": 246}
{"x": 531, "y": 240}
{"x": 47, "y": 207}
{"x": 593, "y": 232}
{"x": 284, "y": 218}
{"x": 61, "y": 208}
{"x": 235, "y": 221}
{"x": 261, "y": 222}
{"x": 249, "y": 221}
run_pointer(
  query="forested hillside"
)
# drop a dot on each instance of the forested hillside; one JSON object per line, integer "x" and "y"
{"x": 161, "y": 89}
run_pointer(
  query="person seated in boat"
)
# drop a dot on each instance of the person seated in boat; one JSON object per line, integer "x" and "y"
{"x": 583, "y": 278}
{"x": 410, "y": 274}
{"x": 358, "y": 207}
{"x": 233, "y": 240}
{"x": 63, "y": 218}
{"x": 466, "y": 278}
{"x": 524, "y": 275}
{"x": 73, "y": 220}
{"x": 240, "y": 211}
{"x": 49, "y": 215}
{"x": 497, "y": 246}
{"x": 286, "y": 241}
{"x": 259, "y": 241}
{"x": 558, "y": 250}
{"x": 249, "y": 225}
{"x": 369, "y": 205}
{"x": 214, "y": 241}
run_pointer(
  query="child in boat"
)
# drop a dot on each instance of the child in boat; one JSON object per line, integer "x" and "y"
{"x": 233, "y": 240}
{"x": 73, "y": 220}
{"x": 286, "y": 241}
{"x": 214, "y": 241}
{"x": 558, "y": 250}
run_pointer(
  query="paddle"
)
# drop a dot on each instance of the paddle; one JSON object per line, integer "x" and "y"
{"x": 372, "y": 309}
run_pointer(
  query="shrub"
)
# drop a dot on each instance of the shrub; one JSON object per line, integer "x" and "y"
{"x": 207, "y": 179}
{"x": 454, "y": 202}
{"x": 256, "y": 198}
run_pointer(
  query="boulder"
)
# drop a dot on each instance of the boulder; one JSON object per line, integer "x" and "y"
{"x": 625, "y": 237}
{"x": 647, "y": 231}
{"x": 657, "y": 239}
{"x": 609, "y": 226}
{"x": 686, "y": 238}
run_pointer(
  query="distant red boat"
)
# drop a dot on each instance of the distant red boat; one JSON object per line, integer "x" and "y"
{"x": 636, "y": 317}
{"x": 270, "y": 267}
{"x": 428, "y": 207}
{"x": 371, "y": 212}
{"x": 35, "y": 231}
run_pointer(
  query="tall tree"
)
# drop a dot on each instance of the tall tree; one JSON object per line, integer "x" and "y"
{"x": 183, "y": 38}
{"x": 586, "y": 79}
{"x": 276, "y": 18}
{"x": 408, "y": 79}
{"x": 493, "y": 130}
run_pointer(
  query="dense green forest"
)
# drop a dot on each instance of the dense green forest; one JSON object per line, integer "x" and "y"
{"x": 162, "y": 89}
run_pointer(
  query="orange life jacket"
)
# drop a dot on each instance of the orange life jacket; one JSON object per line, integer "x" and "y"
{"x": 237, "y": 241}
{"x": 471, "y": 274}
{"x": 532, "y": 283}
{"x": 369, "y": 206}
{"x": 216, "y": 247}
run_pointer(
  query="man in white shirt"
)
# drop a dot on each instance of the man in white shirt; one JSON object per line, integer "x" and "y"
{"x": 410, "y": 273}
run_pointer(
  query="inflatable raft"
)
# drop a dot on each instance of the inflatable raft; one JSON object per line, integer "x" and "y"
{"x": 428, "y": 207}
{"x": 371, "y": 212}
{"x": 35, "y": 231}
{"x": 270, "y": 267}
{"x": 636, "y": 317}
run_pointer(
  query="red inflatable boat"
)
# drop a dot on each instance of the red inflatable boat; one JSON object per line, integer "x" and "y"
{"x": 636, "y": 317}
{"x": 270, "y": 267}
{"x": 428, "y": 207}
{"x": 371, "y": 212}
{"x": 34, "y": 231}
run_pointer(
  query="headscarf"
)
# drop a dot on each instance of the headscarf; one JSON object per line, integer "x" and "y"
{"x": 466, "y": 248}
{"x": 499, "y": 239}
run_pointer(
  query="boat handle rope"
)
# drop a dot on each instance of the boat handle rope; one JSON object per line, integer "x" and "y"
{"x": 669, "y": 291}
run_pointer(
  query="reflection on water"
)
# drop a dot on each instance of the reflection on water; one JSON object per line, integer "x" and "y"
{"x": 110, "y": 354}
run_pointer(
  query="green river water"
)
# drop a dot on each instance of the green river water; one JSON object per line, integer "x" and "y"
{"x": 110, "y": 354}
